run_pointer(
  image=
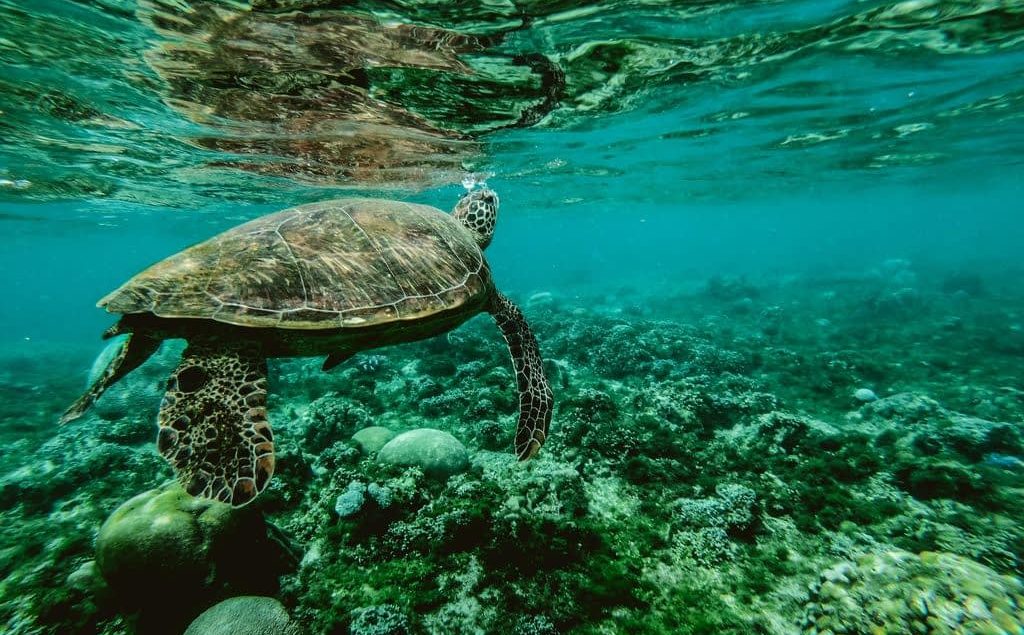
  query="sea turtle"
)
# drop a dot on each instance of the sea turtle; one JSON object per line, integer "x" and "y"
{"x": 330, "y": 278}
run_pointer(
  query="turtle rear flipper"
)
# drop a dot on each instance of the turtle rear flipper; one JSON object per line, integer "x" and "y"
{"x": 135, "y": 350}
{"x": 213, "y": 422}
{"x": 535, "y": 398}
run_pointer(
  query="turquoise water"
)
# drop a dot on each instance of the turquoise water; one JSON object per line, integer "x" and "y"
{"x": 721, "y": 219}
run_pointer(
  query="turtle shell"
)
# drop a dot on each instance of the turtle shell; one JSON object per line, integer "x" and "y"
{"x": 341, "y": 263}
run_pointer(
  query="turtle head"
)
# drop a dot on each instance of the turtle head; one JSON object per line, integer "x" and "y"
{"x": 478, "y": 212}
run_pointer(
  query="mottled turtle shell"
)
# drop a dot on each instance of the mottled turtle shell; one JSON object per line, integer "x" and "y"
{"x": 341, "y": 263}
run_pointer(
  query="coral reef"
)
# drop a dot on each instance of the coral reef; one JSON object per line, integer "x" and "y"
{"x": 755, "y": 455}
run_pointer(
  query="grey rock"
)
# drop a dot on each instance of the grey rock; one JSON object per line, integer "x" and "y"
{"x": 904, "y": 408}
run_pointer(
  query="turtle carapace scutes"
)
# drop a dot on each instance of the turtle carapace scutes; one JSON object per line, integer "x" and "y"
{"x": 330, "y": 278}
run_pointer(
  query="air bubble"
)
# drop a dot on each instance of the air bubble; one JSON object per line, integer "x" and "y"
{"x": 476, "y": 179}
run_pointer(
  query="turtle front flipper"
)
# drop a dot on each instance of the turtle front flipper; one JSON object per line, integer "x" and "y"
{"x": 213, "y": 422}
{"x": 535, "y": 398}
{"x": 136, "y": 349}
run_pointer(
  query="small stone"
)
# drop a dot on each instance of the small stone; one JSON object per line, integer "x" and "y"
{"x": 86, "y": 577}
{"x": 371, "y": 440}
{"x": 436, "y": 452}
{"x": 865, "y": 395}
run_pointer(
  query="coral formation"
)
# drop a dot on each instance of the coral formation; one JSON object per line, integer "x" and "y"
{"x": 384, "y": 619}
{"x": 165, "y": 539}
{"x": 901, "y": 592}
{"x": 711, "y": 469}
{"x": 351, "y": 500}
{"x": 435, "y": 452}
{"x": 244, "y": 615}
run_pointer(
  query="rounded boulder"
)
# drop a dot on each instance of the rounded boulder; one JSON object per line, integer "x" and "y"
{"x": 436, "y": 452}
{"x": 165, "y": 539}
{"x": 159, "y": 540}
{"x": 371, "y": 440}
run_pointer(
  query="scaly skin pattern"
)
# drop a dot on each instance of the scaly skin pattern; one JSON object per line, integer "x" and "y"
{"x": 213, "y": 422}
{"x": 478, "y": 212}
{"x": 535, "y": 398}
